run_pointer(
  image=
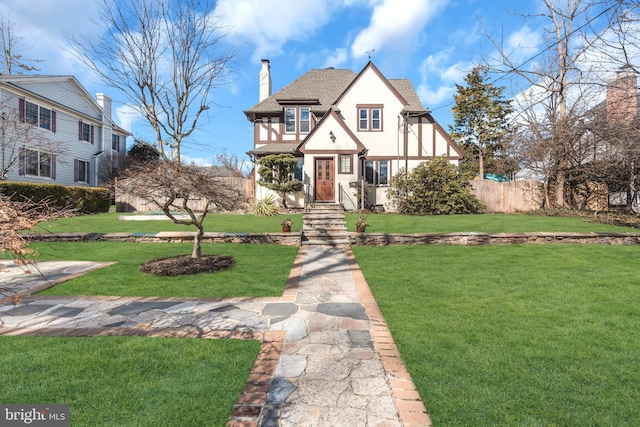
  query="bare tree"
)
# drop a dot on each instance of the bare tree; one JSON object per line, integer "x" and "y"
{"x": 19, "y": 216}
{"x": 238, "y": 166}
{"x": 563, "y": 88}
{"x": 11, "y": 44}
{"x": 165, "y": 56}
{"x": 194, "y": 190}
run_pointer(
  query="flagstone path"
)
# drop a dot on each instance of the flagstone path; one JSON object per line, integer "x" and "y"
{"x": 327, "y": 357}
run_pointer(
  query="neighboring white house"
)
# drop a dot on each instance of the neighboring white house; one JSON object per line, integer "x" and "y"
{"x": 71, "y": 135}
{"x": 345, "y": 126}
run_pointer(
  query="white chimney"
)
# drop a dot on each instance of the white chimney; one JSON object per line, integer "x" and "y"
{"x": 105, "y": 103}
{"x": 265, "y": 80}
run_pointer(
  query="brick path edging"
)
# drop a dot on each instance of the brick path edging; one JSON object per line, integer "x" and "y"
{"x": 410, "y": 406}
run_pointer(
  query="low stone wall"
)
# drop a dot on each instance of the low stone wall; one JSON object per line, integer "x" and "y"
{"x": 355, "y": 239}
{"x": 476, "y": 239}
{"x": 287, "y": 239}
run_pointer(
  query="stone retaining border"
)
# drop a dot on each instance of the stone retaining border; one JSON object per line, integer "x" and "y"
{"x": 355, "y": 239}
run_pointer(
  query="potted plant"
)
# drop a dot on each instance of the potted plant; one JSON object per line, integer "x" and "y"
{"x": 361, "y": 223}
{"x": 286, "y": 225}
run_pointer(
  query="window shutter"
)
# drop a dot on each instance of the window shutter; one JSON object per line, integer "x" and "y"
{"x": 91, "y": 127}
{"x": 76, "y": 174}
{"x": 53, "y": 167}
{"x": 80, "y": 130}
{"x": 21, "y": 109}
{"x": 53, "y": 121}
{"x": 21, "y": 162}
{"x": 88, "y": 173}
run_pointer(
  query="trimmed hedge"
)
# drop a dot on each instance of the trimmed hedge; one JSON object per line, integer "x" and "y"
{"x": 86, "y": 200}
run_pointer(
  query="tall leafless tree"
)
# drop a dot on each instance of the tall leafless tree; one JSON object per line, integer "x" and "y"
{"x": 11, "y": 44}
{"x": 565, "y": 82}
{"x": 166, "y": 56}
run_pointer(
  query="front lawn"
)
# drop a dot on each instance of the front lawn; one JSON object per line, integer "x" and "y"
{"x": 260, "y": 270}
{"x": 518, "y": 335}
{"x": 485, "y": 223}
{"x": 128, "y": 381}
{"x": 109, "y": 223}
{"x": 380, "y": 223}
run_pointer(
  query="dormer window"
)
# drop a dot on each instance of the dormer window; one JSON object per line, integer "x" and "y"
{"x": 297, "y": 119}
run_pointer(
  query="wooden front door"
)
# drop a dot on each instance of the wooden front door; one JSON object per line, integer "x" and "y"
{"x": 324, "y": 180}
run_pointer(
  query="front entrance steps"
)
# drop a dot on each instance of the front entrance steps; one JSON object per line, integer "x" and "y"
{"x": 324, "y": 224}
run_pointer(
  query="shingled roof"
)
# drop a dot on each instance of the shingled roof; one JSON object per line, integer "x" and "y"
{"x": 406, "y": 89}
{"x": 320, "y": 88}
{"x": 322, "y": 85}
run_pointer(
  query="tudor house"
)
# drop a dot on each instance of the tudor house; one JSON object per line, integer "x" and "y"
{"x": 344, "y": 127}
{"x": 55, "y": 132}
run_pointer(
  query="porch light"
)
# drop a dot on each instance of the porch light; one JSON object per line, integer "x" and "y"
{"x": 332, "y": 136}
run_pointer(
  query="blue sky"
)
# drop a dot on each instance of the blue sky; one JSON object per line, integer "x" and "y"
{"x": 432, "y": 42}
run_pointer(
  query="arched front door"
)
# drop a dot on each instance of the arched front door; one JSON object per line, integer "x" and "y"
{"x": 324, "y": 177}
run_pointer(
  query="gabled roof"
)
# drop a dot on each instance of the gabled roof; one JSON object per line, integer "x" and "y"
{"x": 332, "y": 114}
{"x": 321, "y": 89}
{"x": 406, "y": 90}
{"x": 16, "y": 80}
{"x": 318, "y": 87}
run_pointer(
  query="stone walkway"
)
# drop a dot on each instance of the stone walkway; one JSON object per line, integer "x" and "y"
{"x": 327, "y": 357}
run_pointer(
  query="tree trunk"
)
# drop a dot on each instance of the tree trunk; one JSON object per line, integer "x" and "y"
{"x": 481, "y": 164}
{"x": 197, "y": 242}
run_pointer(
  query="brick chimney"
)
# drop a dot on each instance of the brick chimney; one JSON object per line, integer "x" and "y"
{"x": 265, "y": 80}
{"x": 622, "y": 96}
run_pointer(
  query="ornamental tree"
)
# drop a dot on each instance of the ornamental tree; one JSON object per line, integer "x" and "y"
{"x": 276, "y": 173}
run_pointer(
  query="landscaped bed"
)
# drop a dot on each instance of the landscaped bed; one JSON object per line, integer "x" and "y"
{"x": 127, "y": 381}
{"x": 259, "y": 270}
{"x": 517, "y": 335}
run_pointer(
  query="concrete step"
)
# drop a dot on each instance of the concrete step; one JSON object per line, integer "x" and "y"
{"x": 336, "y": 242}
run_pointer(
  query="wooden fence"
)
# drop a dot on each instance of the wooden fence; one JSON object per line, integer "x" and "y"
{"x": 126, "y": 202}
{"x": 508, "y": 197}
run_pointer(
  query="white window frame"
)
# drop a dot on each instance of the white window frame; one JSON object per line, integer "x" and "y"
{"x": 349, "y": 164}
{"x": 36, "y": 117}
{"x": 290, "y": 121}
{"x": 39, "y": 163}
{"x": 366, "y": 120}
{"x": 86, "y": 131}
{"x": 376, "y": 167}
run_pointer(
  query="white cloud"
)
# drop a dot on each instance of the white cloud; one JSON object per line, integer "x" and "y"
{"x": 523, "y": 44}
{"x": 335, "y": 58}
{"x": 395, "y": 24}
{"x": 270, "y": 24}
{"x": 438, "y": 78}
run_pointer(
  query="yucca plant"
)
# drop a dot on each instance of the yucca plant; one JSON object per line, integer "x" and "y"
{"x": 267, "y": 206}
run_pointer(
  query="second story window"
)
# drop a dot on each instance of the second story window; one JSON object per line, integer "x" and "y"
{"x": 370, "y": 118}
{"x": 305, "y": 120}
{"x": 290, "y": 120}
{"x": 85, "y": 132}
{"x": 37, "y": 115}
{"x": 297, "y": 120}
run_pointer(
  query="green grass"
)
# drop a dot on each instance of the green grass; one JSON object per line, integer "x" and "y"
{"x": 519, "y": 335}
{"x": 380, "y": 223}
{"x": 128, "y": 381}
{"x": 260, "y": 270}
{"x": 486, "y": 223}
{"x": 109, "y": 223}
